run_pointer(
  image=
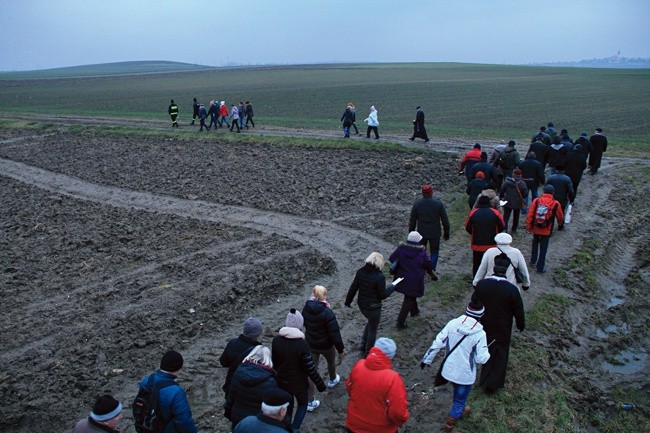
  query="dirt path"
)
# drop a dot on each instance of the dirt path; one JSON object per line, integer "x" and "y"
{"x": 144, "y": 245}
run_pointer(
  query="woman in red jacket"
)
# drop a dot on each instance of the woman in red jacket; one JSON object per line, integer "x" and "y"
{"x": 377, "y": 402}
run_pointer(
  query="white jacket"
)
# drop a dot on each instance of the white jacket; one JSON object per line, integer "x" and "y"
{"x": 487, "y": 266}
{"x": 460, "y": 366}
{"x": 372, "y": 119}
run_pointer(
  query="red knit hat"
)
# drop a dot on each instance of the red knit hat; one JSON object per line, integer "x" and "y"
{"x": 427, "y": 190}
{"x": 480, "y": 175}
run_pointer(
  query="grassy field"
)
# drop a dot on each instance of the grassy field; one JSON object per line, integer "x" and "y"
{"x": 460, "y": 100}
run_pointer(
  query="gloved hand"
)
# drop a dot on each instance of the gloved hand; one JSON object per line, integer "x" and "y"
{"x": 524, "y": 288}
{"x": 422, "y": 365}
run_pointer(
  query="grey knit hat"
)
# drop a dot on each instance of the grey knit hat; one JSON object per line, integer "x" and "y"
{"x": 387, "y": 346}
{"x": 294, "y": 319}
{"x": 253, "y": 327}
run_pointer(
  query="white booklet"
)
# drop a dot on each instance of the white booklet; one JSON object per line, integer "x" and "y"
{"x": 397, "y": 281}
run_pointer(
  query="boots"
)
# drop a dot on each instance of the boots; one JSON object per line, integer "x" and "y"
{"x": 450, "y": 423}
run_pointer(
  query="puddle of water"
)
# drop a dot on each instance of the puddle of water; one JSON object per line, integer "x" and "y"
{"x": 631, "y": 362}
{"x": 612, "y": 329}
{"x": 614, "y": 302}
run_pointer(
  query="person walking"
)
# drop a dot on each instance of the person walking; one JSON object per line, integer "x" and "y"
{"x": 223, "y": 114}
{"x": 241, "y": 110}
{"x": 598, "y": 147}
{"x": 541, "y": 151}
{"x": 249, "y": 114}
{"x": 475, "y": 187}
{"x": 213, "y": 112}
{"x": 419, "y": 131}
{"x": 489, "y": 171}
{"x": 508, "y": 159}
{"x": 295, "y": 366}
{"x": 557, "y": 153}
{"x": 348, "y": 119}
{"x": 513, "y": 191}
{"x": 518, "y": 263}
{"x": 203, "y": 114}
{"x": 323, "y": 334}
{"x": 173, "y": 113}
{"x": 234, "y": 117}
{"x": 466, "y": 336}
{"x": 373, "y": 123}
{"x": 471, "y": 158}
{"x": 370, "y": 283}
{"x": 172, "y": 401}
{"x": 105, "y": 416}
{"x": 542, "y": 213}
{"x": 239, "y": 347}
{"x": 195, "y": 110}
{"x": 427, "y": 215}
{"x": 377, "y": 401}
{"x": 483, "y": 224}
{"x": 583, "y": 141}
{"x": 575, "y": 166}
{"x": 272, "y": 418}
{"x": 253, "y": 378}
{"x": 502, "y": 303}
{"x": 412, "y": 263}
{"x": 353, "y": 108}
{"x": 562, "y": 187}
{"x": 532, "y": 172}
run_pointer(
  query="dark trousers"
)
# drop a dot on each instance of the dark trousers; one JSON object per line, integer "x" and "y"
{"x": 235, "y": 122}
{"x": 203, "y": 125}
{"x": 250, "y": 119}
{"x": 493, "y": 373}
{"x": 356, "y": 130}
{"x": 213, "y": 121}
{"x": 409, "y": 305}
{"x": 515, "y": 218}
{"x": 174, "y": 122}
{"x": 374, "y": 129}
{"x": 477, "y": 256}
{"x": 370, "y": 331}
{"x": 224, "y": 119}
{"x": 540, "y": 247}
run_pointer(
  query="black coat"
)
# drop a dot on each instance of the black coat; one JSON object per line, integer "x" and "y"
{"x": 236, "y": 350}
{"x": 541, "y": 152}
{"x": 575, "y": 166}
{"x": 371, "y": 285}
{"x": 562, "y": 188}
{"x": 490, "y": 172}
{"x": 532, "y": 172}
{"x": 293, "y": 362}
{"x": 427, "y": 214}
{"x": 322, "y": 329}
{"x": 248, "y": 387}
{"x": 474, "y": 188}
{"x": 557, "y": 155}
{"x": 502, "y": 303}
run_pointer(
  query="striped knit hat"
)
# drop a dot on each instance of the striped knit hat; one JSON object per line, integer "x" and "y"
{"x": 475, "y": 309}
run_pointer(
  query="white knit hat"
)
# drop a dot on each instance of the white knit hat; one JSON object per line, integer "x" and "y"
{"x": 414, "y": 237}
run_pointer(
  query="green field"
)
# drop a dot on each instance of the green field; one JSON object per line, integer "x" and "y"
{"x": 461, "y": 100}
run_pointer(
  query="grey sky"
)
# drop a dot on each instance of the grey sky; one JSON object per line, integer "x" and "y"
{"x": 38, "y": 34}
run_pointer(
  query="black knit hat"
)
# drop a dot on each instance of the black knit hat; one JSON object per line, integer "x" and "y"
{"x": 106, "y": 407}
{"x": 171, "y": 361}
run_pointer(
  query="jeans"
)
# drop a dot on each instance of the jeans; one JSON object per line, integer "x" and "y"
{"x": 235, "y": 123}
{"x": 461, "y": 392}
{"x": 540, "y": 247}
{"x": 370, "y": 331}
{"x": 224, "y": 119}
{"x": 346, "y": 131}
{"x": 434, "y": 248}
{"x": 301, "y": 409}
{"x": 242, "y": 121}
{"x": 213, "y": 121}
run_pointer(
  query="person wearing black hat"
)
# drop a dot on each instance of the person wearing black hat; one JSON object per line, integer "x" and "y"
{"x": 106, "y": 414}
{"x": 239, "y": 347}
{"x": 272, "y": 418}
{"x": 503, "y": 303}
{"x": 466, "y": 335}
{"x": 583, "y": 141}
{"x": 599, "y": 145}
{"x": 542, "y": 213}
{"x": 172, "y": 400}
{"x": 428, "y": 214}
{"x": 508, "y": 159}
{"x": 173, "y": 113}
{"x": 419, "y": 131}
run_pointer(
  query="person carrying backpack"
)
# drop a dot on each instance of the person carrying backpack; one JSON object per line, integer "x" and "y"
{"x": 161, "y": 393}
{"x": 508, "y": 159}
{"x": 541, "y": 217}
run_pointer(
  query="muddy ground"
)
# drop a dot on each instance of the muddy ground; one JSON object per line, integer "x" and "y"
{"x": 115, "y": 248}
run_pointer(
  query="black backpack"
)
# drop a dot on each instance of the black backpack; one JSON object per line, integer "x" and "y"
{"x": 506, "y": 159}
{"x": 146, "y": 408}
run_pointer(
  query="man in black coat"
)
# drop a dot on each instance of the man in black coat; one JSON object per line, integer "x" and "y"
{"x": 599, "y": 145}
{"x": 419, "y": 131}
{"x": 540, "y": 150}
{"x": 562, "y": 187}
{"x": 502, "y": 303}
{"x": 532, "y": 172}
{"x": 427, "y": 214}
{"x": 583, "y": 141}
{"x": 238, "y": 348}
{"x": 489, "y": 171}
{"x": 575, "y": 166}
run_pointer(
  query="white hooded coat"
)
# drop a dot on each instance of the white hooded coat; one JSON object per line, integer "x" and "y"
{"x": 460, "y": 367}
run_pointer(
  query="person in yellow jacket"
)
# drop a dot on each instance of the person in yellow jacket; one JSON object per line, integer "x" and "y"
{"x": 173, "y": 113}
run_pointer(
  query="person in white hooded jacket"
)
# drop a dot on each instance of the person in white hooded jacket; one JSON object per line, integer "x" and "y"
{"x": 465, "y": 338}
{"x": 373, "y": 123}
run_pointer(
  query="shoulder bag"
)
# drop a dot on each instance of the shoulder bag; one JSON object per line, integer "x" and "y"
{"x": 439, "y": 380}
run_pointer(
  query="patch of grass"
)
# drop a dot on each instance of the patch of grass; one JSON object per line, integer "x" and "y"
{"x": 635, "y": 420}
{"x": 449, "y": 289}
{"x": 548, "y": 313}
{"x": 583, "y": 265}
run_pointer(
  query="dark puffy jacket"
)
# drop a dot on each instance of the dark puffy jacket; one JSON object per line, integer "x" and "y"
{"x": 293, "y": 362}
{"x": 586, "y": 146}
{"x": 489, "y": 172}
{"x": 249, "y": 384}
{"x": 236, "y": 350}
{"x": 576, "y": 164}
{"x": 474, "y": 188}
{"x": 541, "y": 152}
{"x": 532, "y": 172}
{"x": 427, "y": 213}
{"x": 347, "y": 118}
{"x": 514, "y": 191}
{"x": 322, "y": 329}
{"x": 371, "y": 285}
{"x": 557, "y": 155}
{"x": 483, "y": 224}
{"x": 173, "y": 405}
{"x": 413, "y": 263}
{"x": 563, "y": 188}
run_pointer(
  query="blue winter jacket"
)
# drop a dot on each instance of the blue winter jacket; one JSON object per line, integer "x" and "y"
{"x": 413, "y": 262}
{"x": 173, "y": 405}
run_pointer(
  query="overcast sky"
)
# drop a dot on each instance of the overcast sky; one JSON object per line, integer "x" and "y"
{"x": 40, "y": 34}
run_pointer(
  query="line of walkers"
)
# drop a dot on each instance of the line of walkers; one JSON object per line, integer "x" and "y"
{"x": 237, "y": 117}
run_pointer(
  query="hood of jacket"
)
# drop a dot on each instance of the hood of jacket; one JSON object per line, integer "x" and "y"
{"x": 468, "y": 326}
{"x": 251, "y": 374}
{"x": 411, "y": 250}
{"x": 292, "y": 333}
{"x": 557, "y": 146}
{"x": 377, "y": 360}
{"x": 314, "y": 307}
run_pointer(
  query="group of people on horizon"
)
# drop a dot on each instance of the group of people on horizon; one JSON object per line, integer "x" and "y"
{"x": 217, "y": 113}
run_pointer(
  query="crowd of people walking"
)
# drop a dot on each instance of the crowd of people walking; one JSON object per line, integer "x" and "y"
{"x": 271, "y": 389}
{"x": 238, "y": 116}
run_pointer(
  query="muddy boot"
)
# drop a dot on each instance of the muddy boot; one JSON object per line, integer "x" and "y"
{"x": 466, "y": 411}
{"x": 450, "y": 423}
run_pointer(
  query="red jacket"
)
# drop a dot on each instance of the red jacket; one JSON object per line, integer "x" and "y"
{"x": 472, "y": 156}
{"x": 551, "y": 203}
{"x": 377, "y": 402}
{"x": 223, "y": 110}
